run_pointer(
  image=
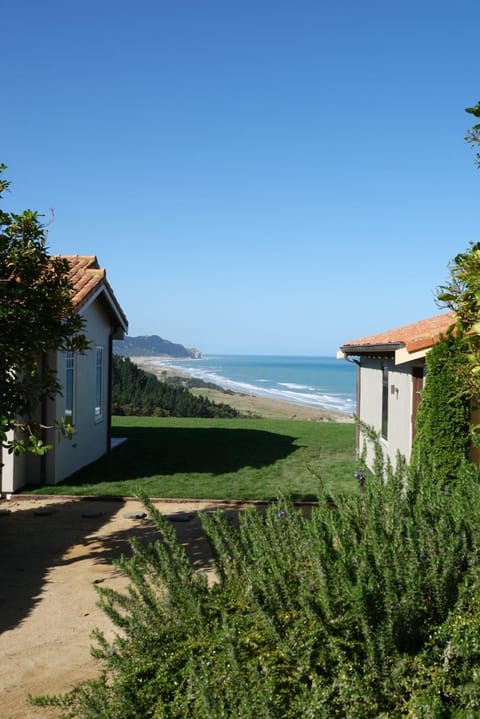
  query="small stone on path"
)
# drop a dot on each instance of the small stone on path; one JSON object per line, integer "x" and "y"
{"x": 180, "y": 517}
{"x": 135, "y": 515}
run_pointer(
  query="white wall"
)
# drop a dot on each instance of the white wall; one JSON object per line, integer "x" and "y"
{"x": 14, "y": 469}
{"x": 91, "y": 435}
{"x": 18, "y": 470}
{"x": 90, "y": 438}
{"x": 399, "y": 437}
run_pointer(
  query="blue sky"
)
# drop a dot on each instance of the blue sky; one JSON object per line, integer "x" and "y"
{"x": 257, "y": 176}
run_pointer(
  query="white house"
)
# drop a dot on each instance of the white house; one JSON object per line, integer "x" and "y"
{"x": 390, "y": 377}
{"x": 86, "y": 387}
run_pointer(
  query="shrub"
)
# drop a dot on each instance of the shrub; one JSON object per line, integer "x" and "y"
{"x": 446, "y": 681}
{"x": 329, "y": 615}
{"x": 442, "y": 438}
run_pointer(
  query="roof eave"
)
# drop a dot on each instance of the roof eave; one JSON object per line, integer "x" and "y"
{"x": 103, "y": 288}
{"x": 397, "y": 350}
{"x": 371, "y": 349}
{"x": 404, "y": 355}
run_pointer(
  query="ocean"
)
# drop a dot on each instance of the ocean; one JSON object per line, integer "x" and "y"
{"x": 314, "y": 381}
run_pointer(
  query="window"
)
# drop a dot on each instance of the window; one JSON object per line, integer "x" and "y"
{"x": 69, "y": 383}
{"x": 384, "y": 402}
{"x": 98, "y": 382}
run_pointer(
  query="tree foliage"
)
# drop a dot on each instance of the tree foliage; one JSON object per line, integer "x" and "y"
{"x": 462, "y": 295}
{"x": 136, "y": 392}
{"x": 473, "y": 135}
{"x": 36, "y": 317}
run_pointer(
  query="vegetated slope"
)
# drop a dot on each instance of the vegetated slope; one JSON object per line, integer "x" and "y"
{"x": 152, "y": 346}
{"x": 136, "y": 392}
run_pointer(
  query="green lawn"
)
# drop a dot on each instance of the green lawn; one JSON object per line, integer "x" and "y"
{"x": 219, "y": 459}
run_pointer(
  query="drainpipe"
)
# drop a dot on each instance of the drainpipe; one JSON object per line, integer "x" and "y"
{"x": 43, "y": 458}
{"x": 109, "y": 391}
{"x": 359, "y": 386}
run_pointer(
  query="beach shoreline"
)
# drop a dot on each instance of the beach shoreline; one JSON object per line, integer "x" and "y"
{"x": 252, "y": 405}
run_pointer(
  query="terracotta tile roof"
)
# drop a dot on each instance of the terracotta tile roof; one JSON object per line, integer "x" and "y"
{"x": 86, "y": 277}
{"x": 414, "y": 337}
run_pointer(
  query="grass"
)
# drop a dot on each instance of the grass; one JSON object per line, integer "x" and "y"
{"x": 219, "y": 459}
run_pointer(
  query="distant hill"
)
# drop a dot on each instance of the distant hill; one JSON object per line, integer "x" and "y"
{"x": 152, "y": 346}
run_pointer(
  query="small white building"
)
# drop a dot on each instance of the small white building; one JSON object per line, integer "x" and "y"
{"x": 86, "y": 387}
{"x": 390, "y": 378}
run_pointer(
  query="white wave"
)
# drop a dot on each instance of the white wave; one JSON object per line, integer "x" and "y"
{"x": 340, "y": 403}
{"x": 291, "y": 393}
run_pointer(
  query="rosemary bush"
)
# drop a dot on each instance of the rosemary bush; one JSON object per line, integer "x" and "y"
{"x": 330, "y": 615}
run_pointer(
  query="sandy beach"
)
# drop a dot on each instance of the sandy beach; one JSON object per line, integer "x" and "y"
{"x": 248, "y": 404}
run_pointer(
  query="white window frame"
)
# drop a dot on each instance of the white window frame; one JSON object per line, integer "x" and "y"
{"x": 70, "y": 382}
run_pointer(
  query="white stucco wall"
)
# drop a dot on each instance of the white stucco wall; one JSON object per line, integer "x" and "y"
{"x": 400, "y": 394}
{"x": 18, "y": 470}
{"x": 89, "y": 441}
{"x": 13, "y": 470}
{"x": 91, "y": 435}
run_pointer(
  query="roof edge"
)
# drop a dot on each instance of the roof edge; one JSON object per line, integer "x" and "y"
{"x": 388, "y": 347}
{"x": 104, "y": 288}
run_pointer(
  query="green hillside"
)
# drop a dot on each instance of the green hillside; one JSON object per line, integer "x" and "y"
{"x": 136, "y": 392}
{"x": 152, "y": 346}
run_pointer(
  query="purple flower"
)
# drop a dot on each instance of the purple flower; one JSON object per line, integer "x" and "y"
{"x": 360, "y": 476}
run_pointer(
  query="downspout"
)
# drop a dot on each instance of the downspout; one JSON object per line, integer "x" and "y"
{"x": 43, "y": 422}
{"x": 109, "y": 391}
{"x": 43, "y": 458}
{"x": 42, "y": 479}
{"x": 359, "y": 392}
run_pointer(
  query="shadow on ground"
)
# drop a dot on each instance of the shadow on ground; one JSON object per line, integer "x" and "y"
{"x": 35, "y": 540}
{"x": 170, "y": 450}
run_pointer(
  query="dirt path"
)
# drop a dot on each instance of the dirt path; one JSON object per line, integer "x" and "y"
{"x": 53, "y": 551}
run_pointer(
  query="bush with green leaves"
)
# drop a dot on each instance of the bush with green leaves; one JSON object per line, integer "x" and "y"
{"x": 37, "y": 318}
{"x": 443, "y": 432}
{"x": 326, "y": 615}
{"x": 446, "y": 680}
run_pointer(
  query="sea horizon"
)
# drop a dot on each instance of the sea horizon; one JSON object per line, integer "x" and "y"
{"x": 315, "y": 381}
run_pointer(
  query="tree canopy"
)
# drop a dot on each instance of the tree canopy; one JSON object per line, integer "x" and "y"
{"x": 473, "y": 135}
{"x": 461, "y": 293}
{"x": 36, "y": 317}
{"x": 135, "y": 392}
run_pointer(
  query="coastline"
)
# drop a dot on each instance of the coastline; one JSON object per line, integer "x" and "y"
{"x": 252, "y": 405}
